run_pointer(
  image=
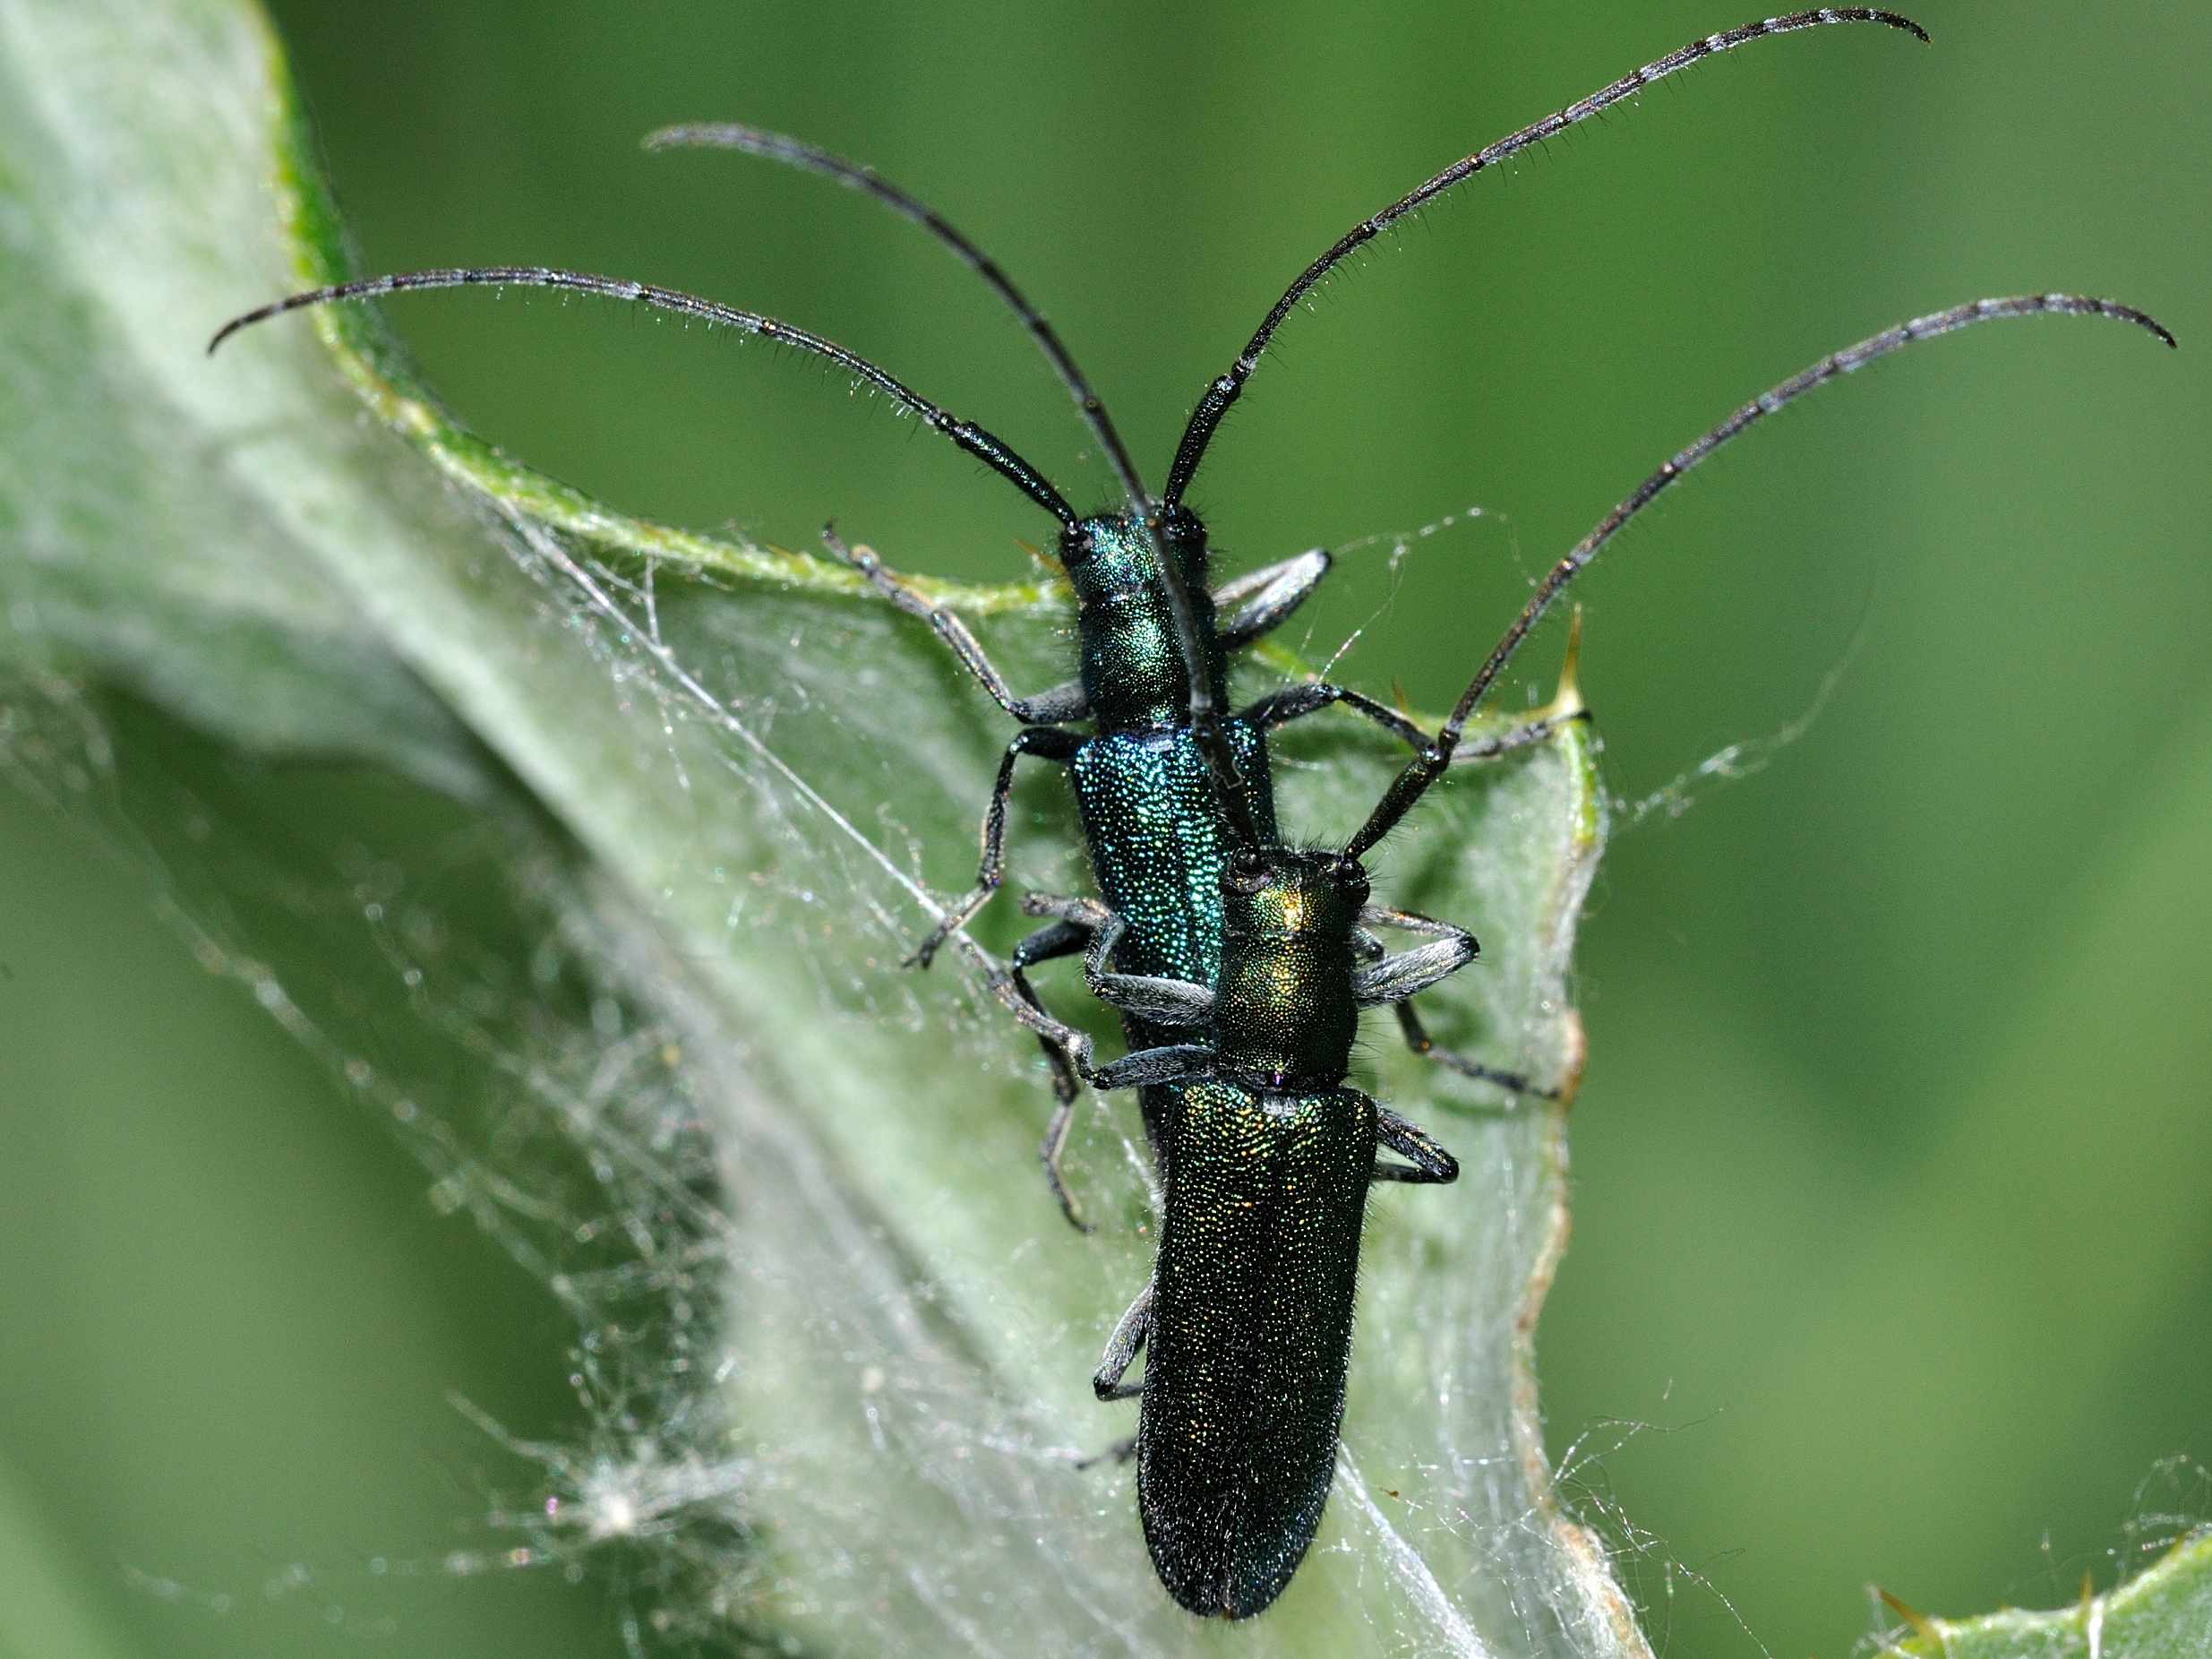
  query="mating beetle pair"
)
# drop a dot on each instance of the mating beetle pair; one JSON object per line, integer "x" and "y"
{"x": 1237, "y": 963}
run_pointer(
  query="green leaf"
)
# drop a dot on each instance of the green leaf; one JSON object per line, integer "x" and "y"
{"x": 2164, "y": 1613}
{"x": 726, "y": 780}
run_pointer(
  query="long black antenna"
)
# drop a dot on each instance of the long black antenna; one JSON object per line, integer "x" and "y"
{"x": 984, "y": 445}
{"x": 1224, "y": 391}
{"x": 1428, "y": 766}
{"x": 795, "y": 152}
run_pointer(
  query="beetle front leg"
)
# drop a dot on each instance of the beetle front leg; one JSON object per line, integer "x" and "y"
{"x": 1176, "y": 1062}
{"x": 1049, "y": 708}
{"x": 1145, "y": 996}
{"x": 1395, "y": 977}
{"x": 1258, "y": 601}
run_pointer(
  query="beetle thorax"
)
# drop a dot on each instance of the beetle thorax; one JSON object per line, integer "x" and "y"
{"x": 1133, "y": 668}
{"x": 1284, "y": 1011}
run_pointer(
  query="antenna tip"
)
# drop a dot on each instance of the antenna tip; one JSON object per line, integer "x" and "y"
{"x": 2143, "y": 319}
{"x": 1898, "y": 20}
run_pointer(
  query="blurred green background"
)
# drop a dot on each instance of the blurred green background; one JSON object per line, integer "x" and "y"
{"x": 1892, "y": 1180}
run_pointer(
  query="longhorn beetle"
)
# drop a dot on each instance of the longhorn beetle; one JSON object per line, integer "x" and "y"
{"x": 1265, "y": 1156}
{"x": 1148, "y": 813}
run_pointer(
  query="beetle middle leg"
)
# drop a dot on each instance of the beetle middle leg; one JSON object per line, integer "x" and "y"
{"x": 1047, "y": 944}
{"x": 1109, "y": 1381}
{"x": 1048, "y": 743}
{"x": 1113, "y": 1366}
{"x": 1427, "y": 1164}
{"x": 1120, "y": 1451}
{"x": 1418, "y": 1039}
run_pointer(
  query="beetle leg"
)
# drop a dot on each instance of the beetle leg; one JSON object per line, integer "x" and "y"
{"x": 1257, "y": 602}
{"x": 1418, "y": 1039}
{"x": 1061, "y": 703}
{"x": 1122, "y": 1350}
{"x": 1046, "y": 742}
{"x": 1517, "y": 737}
{"x": 1430, "y": 1163}
{"x": 1174, "y": 1062}
{"x": 1091, "y": 913}
{"x": 1295, "y": 702}
{"x": 1395, "y": 977}
{"x": 1159, "y": 1001}
{"x": 1120, "y": 1451}
{"x": 1062, "y": 939}
{"x": 1180, "y": 1063}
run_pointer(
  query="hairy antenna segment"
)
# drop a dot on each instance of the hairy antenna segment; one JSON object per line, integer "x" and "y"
{"x": 1225, "y": 390}
{"x": 1425, "y": 768}
{"x": 986, "y": 446}
{"x": 754, "y": 141}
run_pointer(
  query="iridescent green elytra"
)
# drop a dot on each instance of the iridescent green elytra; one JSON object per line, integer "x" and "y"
{"x": 1251, "y": 1315}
